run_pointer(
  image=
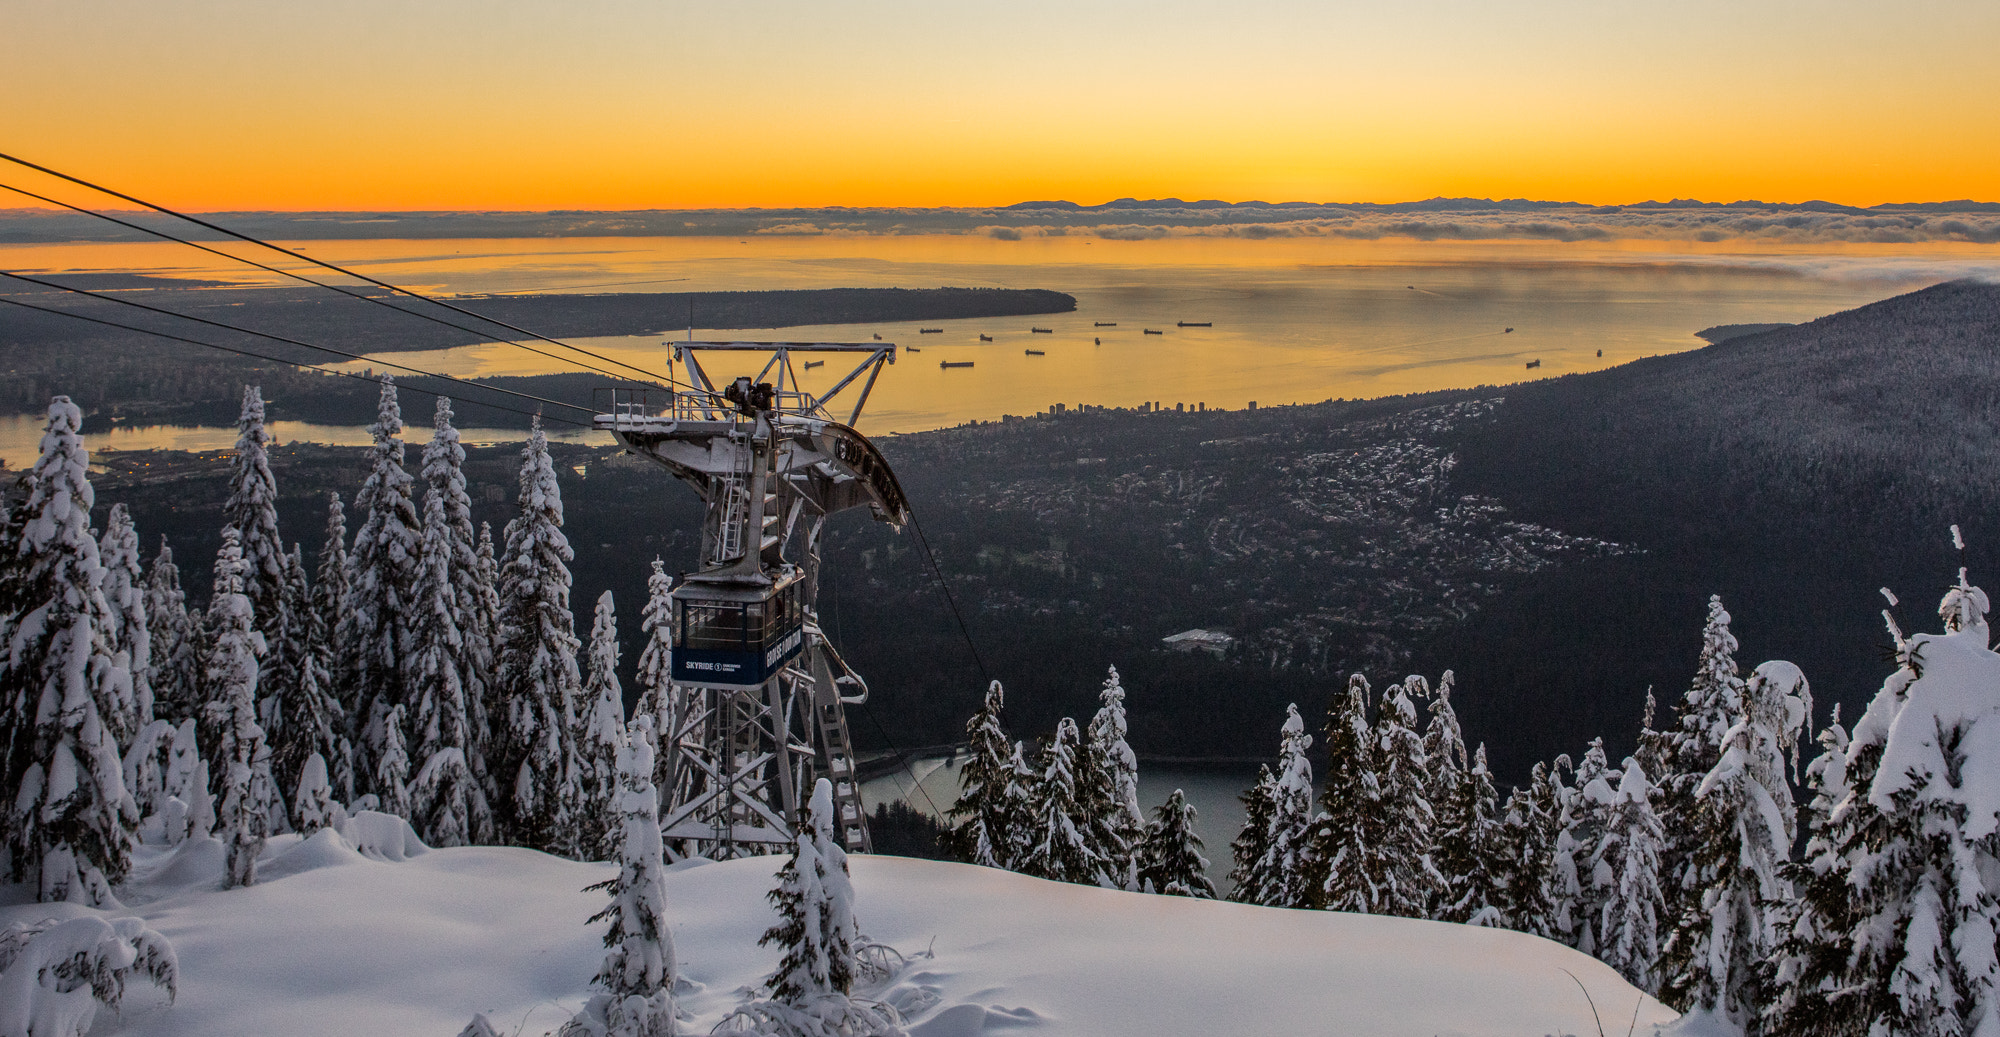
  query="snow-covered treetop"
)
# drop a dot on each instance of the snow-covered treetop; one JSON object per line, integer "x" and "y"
{"x": 539, "y": 492}
{"x": 60, "y": 496}
{"x": 1938, "y": 720}
{"x": 1633, "y": 787}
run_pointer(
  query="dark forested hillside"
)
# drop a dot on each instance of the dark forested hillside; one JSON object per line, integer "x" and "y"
{"x": 1795, "y": 471}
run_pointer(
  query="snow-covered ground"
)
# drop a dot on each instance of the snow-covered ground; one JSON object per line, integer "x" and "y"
{"x": 333, "y": 942}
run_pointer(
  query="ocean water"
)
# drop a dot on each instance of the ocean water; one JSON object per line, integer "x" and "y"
{"x": 1292, "y": 320}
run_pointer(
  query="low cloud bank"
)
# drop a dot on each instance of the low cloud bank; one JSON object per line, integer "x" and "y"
{"x": 1440, "y": 219}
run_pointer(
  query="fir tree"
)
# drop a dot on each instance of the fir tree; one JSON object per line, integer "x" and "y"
{"x": 1348, "y": 871}
{"x": 448, "y": 804}
{"x": 190, "y": 809}
{"x": 1810, "y": 995}
{"x": 601, "y": 734}
{"x": 252, "y": 510}
{"x": 658, "y": 697}
{"x": 1445, "y": 756}
{"x": 247, "y": 790}
{"x": 1253, "y": 841}
{"x": 1470, "y": 844}
{"x": 1058, "y": 847}
{"x": 314, "y": 807}
{"x": 637, "y": 977}
{"x": 68, "y": 818}
{"x": 301, "y": 718}
{"x": 538, "y": 682}
{"x": 1692, "y": 748}
{"x": 1745, "y": 803}
{"x": 486, "y": 709}
{"x": 1407, "y": 820}
{"x": 1628, "y": 920}
{"x": 471, "y": 599}
{"x": 1282, "y": 873}
{"x": 374, "y": 632}
{"x": 1116, "y": 771}
{"x": 815, "y": 903}
{"x": 988, "y": 794}
{"x": 174, "y": 649}
{"x": 131, "y": 640}
{"x": 1528, "y": 840}
{"x": 1895, "y": 934}
{"x": 392, "y": 768}
{"x": 1582, "y": 885}
{"x": 145, "y": 778}
{"x": 1170, "y": 860}
{"x": 330, "y": 600}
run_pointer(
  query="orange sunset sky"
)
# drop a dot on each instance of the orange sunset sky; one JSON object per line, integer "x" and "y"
{"x": 615, "y": 104}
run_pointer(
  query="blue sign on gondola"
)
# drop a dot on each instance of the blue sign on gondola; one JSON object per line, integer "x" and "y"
{"x": 732, "y": 668}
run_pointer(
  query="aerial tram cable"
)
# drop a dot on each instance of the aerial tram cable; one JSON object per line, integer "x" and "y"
{"x": 197, "y": 221}
{"x": 937, "y": 573}
{"x": 276, "y": 360}
{"x": 294, "y": 342}
{"x": 349, "y": 292}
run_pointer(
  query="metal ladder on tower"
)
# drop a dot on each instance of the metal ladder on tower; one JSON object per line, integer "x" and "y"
{"x": 850, "y": 817}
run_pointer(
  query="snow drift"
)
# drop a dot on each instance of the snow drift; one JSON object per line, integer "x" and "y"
{"x": 336, "y": 942}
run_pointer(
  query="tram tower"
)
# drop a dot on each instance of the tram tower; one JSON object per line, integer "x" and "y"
{"x": 759, "y": 697}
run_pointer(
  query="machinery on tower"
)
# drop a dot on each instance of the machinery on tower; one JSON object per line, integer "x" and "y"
{"x": 759, "y": 696}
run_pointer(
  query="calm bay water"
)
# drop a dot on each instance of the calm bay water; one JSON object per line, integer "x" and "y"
{"x": 1294, "y": 320}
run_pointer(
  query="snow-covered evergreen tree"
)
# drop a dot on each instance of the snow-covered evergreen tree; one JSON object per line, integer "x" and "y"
{"x": 1470, "y": 850}
{"x": 1059, "y": 847}
{"x": 1528, "y": 838}
{"x": 1809, "y": 995}
{"x": 1915, "y": 839}
{"x": 486, "y": 710}
{"x": 145, "y": 777}
{"x": 988, "y": 795}
{"x": 1745, "y": 804}
{"x": 658, "y": 697}
{"x": 131, "y": 640}
{"x": 1170, "y": 860}
{"x": 391, "y": 779}
{"x": 472, "y": 610}
{"x": 248, "y": 791}
{"x": 299, "y": 714}
{"x": 1348, "y": 871}
{"x": 1582, "y": 887}
{"x": 252, "y": 510}
{"x": 1254, "y": 839}
{"x": 815, "y": 901}
{"x": 374, "y": 632}
{"x": 1628, "y": 919}
{"x": 1451, "y": 802}
{"x": 174, "y": 648}
{"x": 56, "y": 974}
{"x": 601, "y": 735}
{"x": 1692, "y": 747}
{"x": 637, "y": 977}
{"x": 330, "y": 601}
{"x": 1407, "y": 820}
{"x": 1116, "y": 769}
{"x": 448, "y": 805}
{"x": 538, "y": 681}
{"x": 190, "y": 809}
{"x": 313, "y": 806}
{"x": 67, "y": 815}
{"x": 1281, "y": 876}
